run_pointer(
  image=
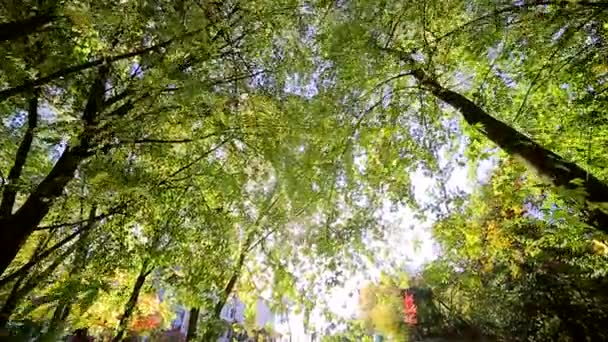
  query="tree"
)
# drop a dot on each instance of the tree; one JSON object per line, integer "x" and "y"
{"x": 409, "y": 34}
{"x": 212, "y": 149}
{"x": 111, "y": 101}
{"x": 501, "y": 264}
{"x": 382, "y": 309}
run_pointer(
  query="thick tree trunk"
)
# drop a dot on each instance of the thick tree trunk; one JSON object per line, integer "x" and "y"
{"x": 16, "y": 228}
{"x": 556, "y": 169}
{"x": 22, "y": 28}
{"x": 192, "y": 324}
{"x": 132, "y": 302}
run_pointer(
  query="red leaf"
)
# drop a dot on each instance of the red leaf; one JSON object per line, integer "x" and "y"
{"x": 409, "y": 309}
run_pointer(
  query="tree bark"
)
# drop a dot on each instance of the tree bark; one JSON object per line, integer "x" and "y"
{"x": 10, "y": 189}
{"x": 16, "y": 228}
{"x": 22, "y": 28}
{"x": 560, "y": 172}
{"x": 192, "y": 324}
{"x": 132, "y": 302}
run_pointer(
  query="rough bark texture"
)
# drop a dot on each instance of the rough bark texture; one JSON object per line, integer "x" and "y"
{"x": 192, "y": 324}
{"x": 132, "y": 302}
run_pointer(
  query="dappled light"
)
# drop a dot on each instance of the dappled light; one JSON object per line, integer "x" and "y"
{"x": 303, "y": 170}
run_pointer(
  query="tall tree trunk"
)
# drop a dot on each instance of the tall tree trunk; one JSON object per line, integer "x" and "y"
{"x": 192, "y": 323}
{"x": 16, "y": 228}
{"x": 132, "y": 302}
{"x": 560, "y": 172}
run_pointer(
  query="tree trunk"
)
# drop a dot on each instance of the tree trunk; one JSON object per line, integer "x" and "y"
{"x": 192, "y": 324}
{"x": 36, "y": 259}
{"x": 556, "y": 169}
{"x": 132, "y": 302}
{"x": 10, "y": 190}
{"x": 16, "y": 228}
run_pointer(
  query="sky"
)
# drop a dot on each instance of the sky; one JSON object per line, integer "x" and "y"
{"x": 409, "y": 245}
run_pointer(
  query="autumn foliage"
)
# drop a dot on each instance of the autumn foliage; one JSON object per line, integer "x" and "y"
{"x": 409, "y": 309}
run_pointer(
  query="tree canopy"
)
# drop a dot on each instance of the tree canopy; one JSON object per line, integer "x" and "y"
{"x": 160, "y": 153}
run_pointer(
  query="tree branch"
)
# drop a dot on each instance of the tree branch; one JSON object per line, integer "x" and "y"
{"x": 10, "y": 191}
{"x": 6, "y": 93}
{"x": 519, "y": 7}
{"x": 113, "y": 211}
{"x": 19, "y": 226}
{"x": 25, "y": 268}
{"x": 199, "y": 158}
{"x": 96, "y": 96}
{"x": 168, "y": 141}
{"x": 559, "y": 171}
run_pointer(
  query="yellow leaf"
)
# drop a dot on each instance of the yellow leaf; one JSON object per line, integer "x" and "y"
{"x": 599, "y": 247}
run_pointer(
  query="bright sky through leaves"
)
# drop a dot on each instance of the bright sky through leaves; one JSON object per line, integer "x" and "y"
{"x": 344, "y": 161}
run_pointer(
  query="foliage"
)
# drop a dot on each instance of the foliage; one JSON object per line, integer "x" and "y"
{"x": 381, "y": 308}
{"x": 198, "y": 149}
{"x": 504, "y": 259}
